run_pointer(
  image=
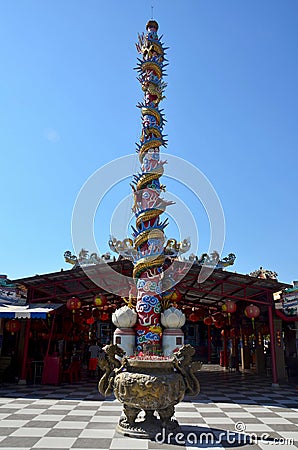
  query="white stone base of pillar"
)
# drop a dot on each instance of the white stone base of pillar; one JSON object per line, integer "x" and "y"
{"x": 172, "y": 338}
{"x": 126, "y": 339}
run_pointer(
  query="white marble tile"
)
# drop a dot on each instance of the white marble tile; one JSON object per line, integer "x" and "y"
{"x": 55, "y": 442}
{"x": 131, "y": 443}
{"x": 32, "y": 432}
{"x": 71, "y": 425}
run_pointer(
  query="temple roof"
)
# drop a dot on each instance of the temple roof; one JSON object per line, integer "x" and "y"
{"x": 220, "y": 286}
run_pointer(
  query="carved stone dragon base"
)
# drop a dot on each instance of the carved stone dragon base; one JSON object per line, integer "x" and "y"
{"x": 147, "y": 427}
{"x": 152, "y": 386}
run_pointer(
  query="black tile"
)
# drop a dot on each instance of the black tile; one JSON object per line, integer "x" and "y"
{"x": 283, "y": 427}
{"x": 6, "y": 431}
{"x": 76, "y": 418}
{"x": 63, "y": 432}
{"x": 41, "y": 424}
{"x": 13, "y": 441}
{"x": 54, "y": 411}
{"x": 92, "y": 443}
{"x": 100, "y": 425}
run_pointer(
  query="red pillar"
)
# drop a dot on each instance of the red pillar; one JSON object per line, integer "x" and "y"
{"x": 272, "y": 345}
{"x": 25, "y": 354}
{"x": 225, "y": 349}
{"x": 50, "y": 337}
{"x": 209, "y": 343}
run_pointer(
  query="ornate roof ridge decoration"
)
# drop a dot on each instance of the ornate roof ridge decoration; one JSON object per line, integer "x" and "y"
{"x": 264, "y": 274}
{"x": 84, "y": 259}
{"x": 12, "y": 293}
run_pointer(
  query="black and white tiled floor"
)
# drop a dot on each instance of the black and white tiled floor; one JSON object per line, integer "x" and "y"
{"x": 238, "y": 411}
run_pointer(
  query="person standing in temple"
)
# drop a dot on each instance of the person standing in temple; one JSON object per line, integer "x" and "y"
{"x": 94, "y": 351}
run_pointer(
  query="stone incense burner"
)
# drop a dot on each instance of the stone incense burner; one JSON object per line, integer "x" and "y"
{"x": 154, "y": 386}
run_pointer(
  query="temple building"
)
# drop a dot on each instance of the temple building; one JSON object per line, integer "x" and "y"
{"x": 240, "y": 322}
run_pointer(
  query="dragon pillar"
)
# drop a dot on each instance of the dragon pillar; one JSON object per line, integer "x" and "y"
{"x": 148, "y": 233}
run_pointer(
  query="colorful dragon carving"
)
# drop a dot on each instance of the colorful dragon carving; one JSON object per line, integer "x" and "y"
{"x": 148, "y": 249}
{"x": 148, "y": 234}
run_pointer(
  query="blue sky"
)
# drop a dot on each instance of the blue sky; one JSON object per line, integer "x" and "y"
{"x": 68, "y": 96}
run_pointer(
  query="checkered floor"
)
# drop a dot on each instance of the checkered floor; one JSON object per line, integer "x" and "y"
{"x": 232, "y": 411}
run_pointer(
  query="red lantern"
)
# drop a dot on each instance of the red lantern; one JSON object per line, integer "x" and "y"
{"x": 217, "y": 317}
{"x": 208, "y": 321}
{"x": 194, "y": 317}
{"x": 13, "y": 326}
{"x": 219, "y": 324}
{"x": 200, "y": 312}
{"x": 229, "y": 307}
{"x": 252, "y": 312}
{"x": 90, "y": 321}
{"x": 100, "y": 300}
{"x": 73, "y": 304}
{"x": 104, "y": 316}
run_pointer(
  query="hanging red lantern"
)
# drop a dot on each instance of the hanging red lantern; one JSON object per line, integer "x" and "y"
{"x": 104, "y": 316}
{"x": 73, "y": 304}
{"x": 194, "y": 317}
{"x": 13, "y": 326}
{"x": 100, "y": 300}
{"x": 90, "y": 321}
{"x": 230, "y": 307}
{"x": 200, "y": 312}
{"x": 208, "y": 320}
{"x": 217, "y": 317}
{"x": 219, "y": 324}
{"x": 252, "y": 312}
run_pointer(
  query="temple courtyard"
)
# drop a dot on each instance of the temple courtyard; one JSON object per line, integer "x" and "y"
{"x": 233, "y": 410}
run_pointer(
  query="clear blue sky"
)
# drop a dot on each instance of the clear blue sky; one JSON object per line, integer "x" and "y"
{"x": 68, "y": 96}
